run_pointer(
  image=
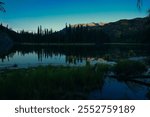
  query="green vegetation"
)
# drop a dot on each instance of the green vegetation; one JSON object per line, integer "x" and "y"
{"x": 51, "y": 82}
{"x": 125, "y": 69}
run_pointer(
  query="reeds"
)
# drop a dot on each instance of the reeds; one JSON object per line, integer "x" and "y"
{"x": 51, "y": 82}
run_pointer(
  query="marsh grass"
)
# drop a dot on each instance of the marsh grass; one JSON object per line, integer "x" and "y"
{"x": 51, "y": 82}
{"x": 125, "y": 69}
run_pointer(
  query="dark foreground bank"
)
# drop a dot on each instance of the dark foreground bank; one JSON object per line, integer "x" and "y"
{"x": 66, "y": 82}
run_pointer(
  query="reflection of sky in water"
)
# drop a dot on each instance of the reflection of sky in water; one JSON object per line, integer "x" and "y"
{"x": 114, "y": 89}
{"x": 32, "y": 59}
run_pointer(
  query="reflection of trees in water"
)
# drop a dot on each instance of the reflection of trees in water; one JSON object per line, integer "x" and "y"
{"x": 74, "y": 59}
{"x": 7, "y": 56}
{"x": 76, "y": 54}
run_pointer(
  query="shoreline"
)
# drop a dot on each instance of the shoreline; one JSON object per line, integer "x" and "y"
{"x": 80, "y": 44}
{"x": 58, "y": 44}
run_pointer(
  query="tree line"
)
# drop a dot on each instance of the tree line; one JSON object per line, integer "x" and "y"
{"x": 69, "y": 34}
{"x": 85, "y": 34}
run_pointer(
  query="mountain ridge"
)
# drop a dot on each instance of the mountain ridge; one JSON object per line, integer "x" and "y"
{"x": 135, "y": 30}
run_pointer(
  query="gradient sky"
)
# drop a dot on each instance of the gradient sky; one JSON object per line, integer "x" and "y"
{"x": 29, "y": 14}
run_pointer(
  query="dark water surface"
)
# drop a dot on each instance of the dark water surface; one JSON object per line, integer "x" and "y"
{"x": 25, "y": 56}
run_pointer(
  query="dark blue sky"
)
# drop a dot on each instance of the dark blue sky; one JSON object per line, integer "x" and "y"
{"x": 28, "y": 14}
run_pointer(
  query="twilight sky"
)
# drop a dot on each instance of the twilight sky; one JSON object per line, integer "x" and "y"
{"x": 29, "y": 14}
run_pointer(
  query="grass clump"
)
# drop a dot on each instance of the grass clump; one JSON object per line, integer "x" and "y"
{"x": 51, "y": 82}
{"x": 125, "y": 69}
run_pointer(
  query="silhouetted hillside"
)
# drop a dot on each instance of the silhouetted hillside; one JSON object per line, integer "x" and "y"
{"x": 124, "y": 31}
{"x": 11, "y": 33}
{"x": 134, "y": 30}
